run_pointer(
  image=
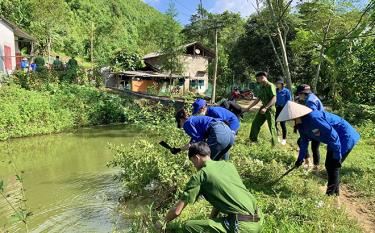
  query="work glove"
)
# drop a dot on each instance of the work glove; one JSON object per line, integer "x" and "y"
{"x": 298, "y": 163}
{"x": 175, "y": 150}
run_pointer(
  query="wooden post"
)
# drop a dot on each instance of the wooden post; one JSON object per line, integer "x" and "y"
{"x": 92, "y": 48}
{"x": 215, "y": 68}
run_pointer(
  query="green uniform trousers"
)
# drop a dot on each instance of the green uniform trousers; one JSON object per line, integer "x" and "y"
{"x": 217, "y": 226}
{"x": 259, "y": 121}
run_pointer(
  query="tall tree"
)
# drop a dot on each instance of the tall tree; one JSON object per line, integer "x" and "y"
{"x": 49, "y": 20}
{"x": 171, "y": 43}
{"x": 275, "y": 22}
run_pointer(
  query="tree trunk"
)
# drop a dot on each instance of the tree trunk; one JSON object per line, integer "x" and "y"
{"x": 282, "y": 46}
{"x": 92, "y": 48}
{"x": 321, "y": 53}
{"x": 49, "y": 50}
{"x": 215, "y": 68}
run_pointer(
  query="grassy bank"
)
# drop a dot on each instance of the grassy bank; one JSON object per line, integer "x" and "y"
{"x": 56, "y": 108}
{"x": 296, "y": 204}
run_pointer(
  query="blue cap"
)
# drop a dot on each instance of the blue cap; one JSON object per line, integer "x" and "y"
{"x": 198, "y": 104}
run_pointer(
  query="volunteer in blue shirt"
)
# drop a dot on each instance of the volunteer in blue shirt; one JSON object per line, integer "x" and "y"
{"x": 327, "y": 128}
{"x": 216, "y": 133}
{"x": 312, "y": 101}
{"x": 228, "y": 117}
{"x": 282, "y": 97}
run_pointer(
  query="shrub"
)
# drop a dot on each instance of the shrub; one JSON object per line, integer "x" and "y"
{"x": 357, "y": 113}
{"x": 55, "y": 108}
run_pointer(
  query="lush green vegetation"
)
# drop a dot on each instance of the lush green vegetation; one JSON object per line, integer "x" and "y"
{"x": 296, "y": 204}
{"x": 59, "y": 107}
{"x": 70, "y": 26}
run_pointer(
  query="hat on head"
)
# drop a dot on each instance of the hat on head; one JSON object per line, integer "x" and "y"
{"x": 292, "y": 110}
{"x": 280, "y": 80}
{"x": 304, "y": 88}
{"x": 197, "y": 105}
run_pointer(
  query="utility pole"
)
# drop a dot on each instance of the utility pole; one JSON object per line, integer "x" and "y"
{"x": 215, "y": 67}
{"x": 92, "y": 48}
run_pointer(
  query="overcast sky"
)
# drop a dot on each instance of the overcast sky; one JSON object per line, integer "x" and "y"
{"x": 186, "y": 8}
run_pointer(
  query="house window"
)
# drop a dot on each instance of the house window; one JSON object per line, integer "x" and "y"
{"x": 193, "y": 84}
{"x": 181, "y": 82}
{"x": 201, "y": 84}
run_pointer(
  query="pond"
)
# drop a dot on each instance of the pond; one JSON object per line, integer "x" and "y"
{"x": 68, "y": 186}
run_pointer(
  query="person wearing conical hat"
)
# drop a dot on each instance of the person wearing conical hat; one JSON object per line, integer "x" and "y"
{"x": 330, "y": 129}
{"x": 267, "y": 94}
{"x": 309, "y": 99}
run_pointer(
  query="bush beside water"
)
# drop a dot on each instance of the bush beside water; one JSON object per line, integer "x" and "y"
{"x": 54, "y": 109}
{"x": 296, "y": 204}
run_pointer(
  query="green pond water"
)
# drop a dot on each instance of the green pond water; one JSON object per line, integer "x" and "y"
{"x": 68, "y": 186}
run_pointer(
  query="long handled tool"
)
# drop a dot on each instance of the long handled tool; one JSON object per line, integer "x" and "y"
{"x": 165, "y": 145}
{"x": 281, "y": 177}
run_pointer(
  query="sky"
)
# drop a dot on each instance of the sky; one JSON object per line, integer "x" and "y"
{"x": 186, "y": 8}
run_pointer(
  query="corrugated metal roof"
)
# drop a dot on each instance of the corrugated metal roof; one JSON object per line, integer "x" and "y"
{"x": 150, "y": 74}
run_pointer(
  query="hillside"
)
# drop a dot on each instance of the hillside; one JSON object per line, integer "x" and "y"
{"x": 123, "y": 24}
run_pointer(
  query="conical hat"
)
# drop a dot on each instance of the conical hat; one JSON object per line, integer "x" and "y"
{"x": 292, "y": 110}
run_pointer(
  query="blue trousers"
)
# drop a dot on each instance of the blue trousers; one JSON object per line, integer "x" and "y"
{"x": 220, "y": 140}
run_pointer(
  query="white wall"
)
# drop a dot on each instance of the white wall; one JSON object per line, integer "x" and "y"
{"x": 193, "y": 64}
{"x": 7, "y": 38}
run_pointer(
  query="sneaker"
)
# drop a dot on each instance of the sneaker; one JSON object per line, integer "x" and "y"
{"x": 283, "y": 142}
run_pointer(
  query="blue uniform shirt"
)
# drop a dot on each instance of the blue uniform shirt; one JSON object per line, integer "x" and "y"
{"x": 313, "y": 102}
{"x": 197, "y": 127}
{"x": 329, "y": 129}
{"x": 226, "y": 116}
{"x": 282, "y": 96}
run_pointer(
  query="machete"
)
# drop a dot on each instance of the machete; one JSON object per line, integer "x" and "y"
{"x": 165, "y": 145}
{"x": 281, "y": 177}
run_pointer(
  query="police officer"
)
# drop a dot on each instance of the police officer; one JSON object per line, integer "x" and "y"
{"x": 221, "y": 185}
{"x": 309, "y": 99}
{"x": 216, "y": 133}
{"x": 327, "y": 128}
{"x": 200, "y": 108}
{"x": 267, "y": 94}
{"x": 282, "y": 97}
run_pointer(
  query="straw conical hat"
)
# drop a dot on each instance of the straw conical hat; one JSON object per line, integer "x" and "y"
{"x": 292, "y": 110}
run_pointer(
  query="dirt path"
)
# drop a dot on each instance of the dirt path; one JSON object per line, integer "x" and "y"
{"x": 357, "y": 210}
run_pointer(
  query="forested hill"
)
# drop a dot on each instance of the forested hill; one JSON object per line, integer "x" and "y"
{"x": 114, "y": 24}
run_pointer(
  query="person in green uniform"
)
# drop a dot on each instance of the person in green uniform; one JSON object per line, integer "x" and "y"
{"x": 266, "y": 94}
{"x": 57, "y": 64}
{"x": 221, "y": 185}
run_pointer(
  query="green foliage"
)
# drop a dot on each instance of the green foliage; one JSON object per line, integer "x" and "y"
{"x": 171, "y": 43}
{"x": 68, "y": 25}
{"x": 296, "y": 204}
{"x": 123, "y": 60}
{"x": 26, "y": 112}
{"x": 357, "y": 113}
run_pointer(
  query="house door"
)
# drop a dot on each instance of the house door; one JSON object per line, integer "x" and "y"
{"x": 7, "y": 58}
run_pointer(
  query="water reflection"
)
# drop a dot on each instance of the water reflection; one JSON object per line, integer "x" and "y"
{"x": 69, "y": 189}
